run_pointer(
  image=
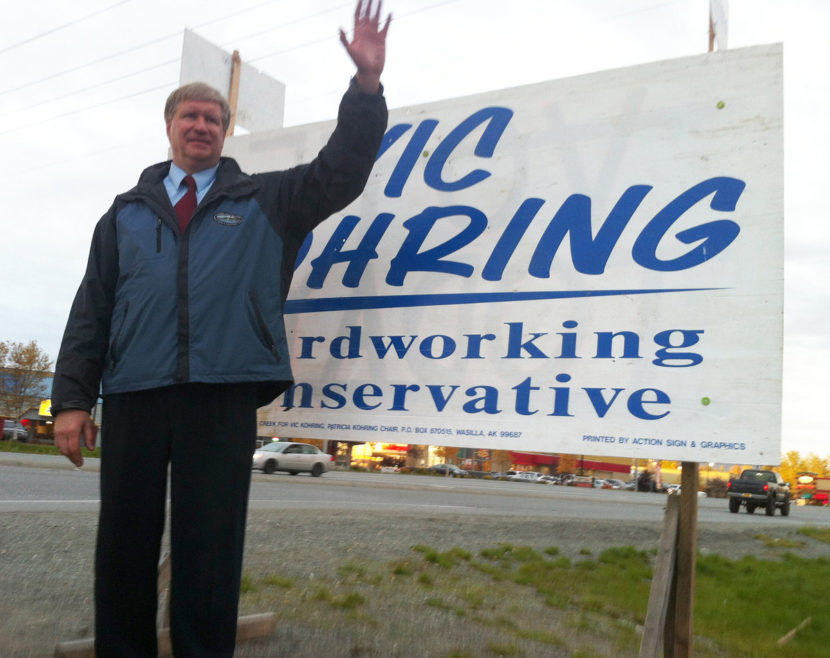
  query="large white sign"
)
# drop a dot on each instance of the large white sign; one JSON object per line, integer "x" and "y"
{"x": 588, "y": 266}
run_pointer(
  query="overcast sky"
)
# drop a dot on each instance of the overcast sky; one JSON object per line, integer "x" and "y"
{"x": 84, "y": 85}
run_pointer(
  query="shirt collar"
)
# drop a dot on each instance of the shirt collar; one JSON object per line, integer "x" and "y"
{"x": 203, "y": 178}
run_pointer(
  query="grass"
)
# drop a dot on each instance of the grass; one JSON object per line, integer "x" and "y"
{"x": 276, "y": 580}
{"x": 515, "y": 600}
{"x": 40, "y": 449}
{"x": 822, "y": 534}
{"x": 779, "y": 542}
{"x": 784, "y": 593}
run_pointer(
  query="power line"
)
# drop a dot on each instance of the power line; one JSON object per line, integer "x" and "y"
{"x": 170, "y": 36}
{"x": 236, "y": 13}
{"x": 61, "y": 27}
{"x": 274, "y": 53}
{"x": 90, "y": 107}
{"x": 326, "y": 38}
{"x": 88, "y": 64}
{"x": 172, "y": 83}
{"x": 95, "y": 86}
{"x": 293, "y": 22}
{"x": 126, "y": 51}
{"x": 90, "y": 154}
{"x": 250, "y": 60}
{"x": 147, "y": 43}
{"x": 168, "y": 84}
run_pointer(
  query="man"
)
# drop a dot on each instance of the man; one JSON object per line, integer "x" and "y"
{"x": 179, "y": 320}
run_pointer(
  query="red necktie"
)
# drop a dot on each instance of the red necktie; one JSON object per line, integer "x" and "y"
{"x": 187, "y": 204}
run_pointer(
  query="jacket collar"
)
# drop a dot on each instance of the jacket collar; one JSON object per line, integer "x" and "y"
{"x": 230, "y": 182}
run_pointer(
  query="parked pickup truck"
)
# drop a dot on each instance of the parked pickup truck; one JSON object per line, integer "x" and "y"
{"x": 755, "y": 489}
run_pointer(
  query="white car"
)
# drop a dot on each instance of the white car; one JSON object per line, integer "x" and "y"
{"x": 548, "y": 479}
{"x": 524, "y": 476}
{"x": 293, "y": 458}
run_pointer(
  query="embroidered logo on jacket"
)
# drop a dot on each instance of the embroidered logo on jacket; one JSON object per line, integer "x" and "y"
{"x": 227, "y": 219}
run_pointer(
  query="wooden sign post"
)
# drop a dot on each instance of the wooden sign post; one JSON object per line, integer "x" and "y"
{"x": 233, "y": 90}
{"x": 686, "y": 561}
{"x": 669, "y": 627}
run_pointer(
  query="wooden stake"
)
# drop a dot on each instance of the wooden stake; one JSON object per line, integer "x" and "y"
{"x": 711, "y": 30}
{"x": 789, "y": 636}
{"x": 163, "y": 591}
{"x": 247, "y": 627}
{"x": 233, "y": 91}
{"x": 671, "y": 611}
{"x": 686, "y": 560}
{"x": 661, "y": 583}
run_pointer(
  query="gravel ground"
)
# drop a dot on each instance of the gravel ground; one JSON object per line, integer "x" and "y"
{"x": 46, "y": 574}
{"x": 46, "y": 582}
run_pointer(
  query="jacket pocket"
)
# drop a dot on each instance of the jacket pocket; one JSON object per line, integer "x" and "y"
{"x": 115, "y": 342}
{"x": 262, "y": 329}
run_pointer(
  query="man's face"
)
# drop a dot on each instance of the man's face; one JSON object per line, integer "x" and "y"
{"x": 196, "y": 135}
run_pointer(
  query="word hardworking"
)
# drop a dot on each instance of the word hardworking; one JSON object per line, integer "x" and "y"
{"x": 516, "y": 344}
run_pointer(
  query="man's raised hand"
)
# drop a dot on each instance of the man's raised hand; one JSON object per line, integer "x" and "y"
{"x": 368, "y": 45}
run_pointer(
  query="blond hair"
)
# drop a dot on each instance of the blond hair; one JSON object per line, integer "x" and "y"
{"x": 197, "y": 91}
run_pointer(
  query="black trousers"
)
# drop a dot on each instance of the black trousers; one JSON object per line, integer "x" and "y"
{"x": 206, "y": 433}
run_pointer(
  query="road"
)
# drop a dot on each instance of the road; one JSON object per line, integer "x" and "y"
{"x": 28, "y": 486}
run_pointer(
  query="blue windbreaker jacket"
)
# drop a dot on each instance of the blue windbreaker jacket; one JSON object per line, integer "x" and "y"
{"x": 157, "y": 308}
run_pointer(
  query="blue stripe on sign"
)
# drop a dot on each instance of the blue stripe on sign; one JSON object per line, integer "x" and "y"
{"x": 411, "y": 301}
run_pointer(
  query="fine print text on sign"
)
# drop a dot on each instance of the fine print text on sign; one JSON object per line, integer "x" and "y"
{"x": 589, "y": 266}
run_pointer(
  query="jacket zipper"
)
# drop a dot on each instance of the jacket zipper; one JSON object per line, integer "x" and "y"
{"x": 262, "y": 327}
{"x": 158, "y": 235}
{"x": 117, "y": 336}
